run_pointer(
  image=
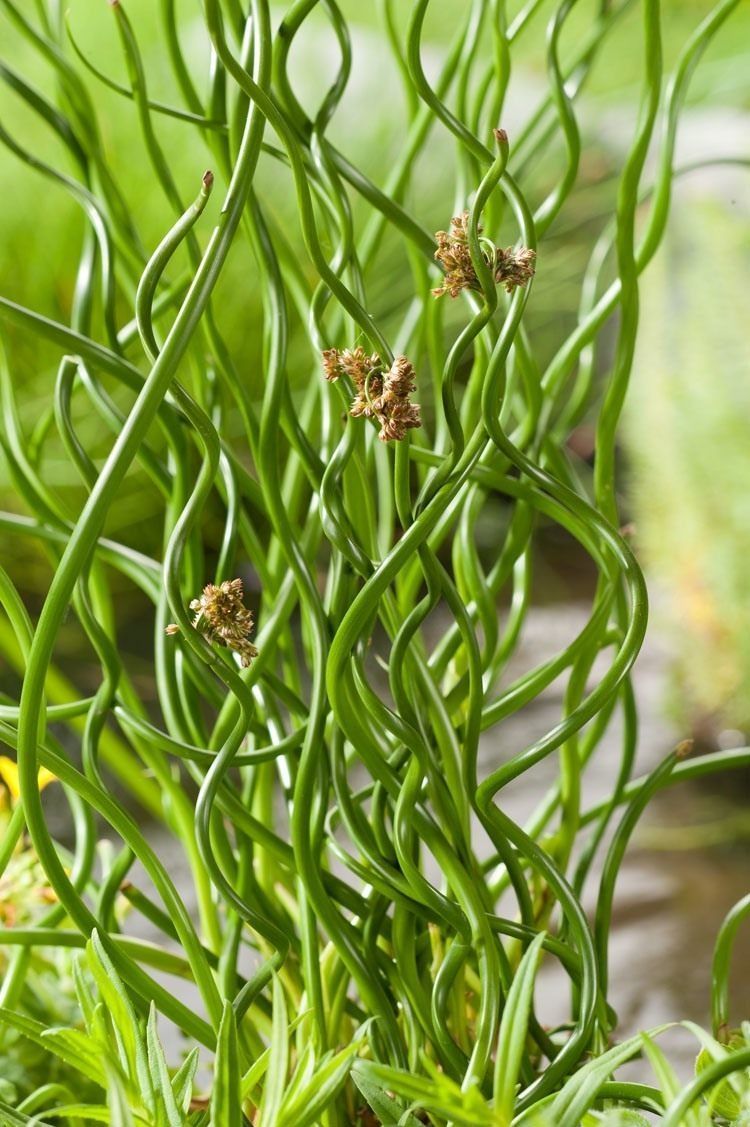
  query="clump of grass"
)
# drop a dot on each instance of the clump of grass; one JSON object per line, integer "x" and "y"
{"x": 361, "y": 919}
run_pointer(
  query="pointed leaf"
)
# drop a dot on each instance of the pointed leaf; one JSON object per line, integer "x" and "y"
{"x": 184, "y": 1078}
{"x": 11, "y": 1117}
{"x": 278, "y": 1063}
{"x": 580, "y": 1091}
{"x": 124, "y": 1020}
{"x": 389, "y": 1110}
{"x": 514, "y": 1025}
{"x": 258, "y": 1068}
{"x": 668, "y": 1081}
{"x": 442, "y": 1097}
{"x": 306, "y": 1106}
{"x": 255, "y": 1074}
{"x": 162, "y": 1082}
{"x": 84, "y": 994}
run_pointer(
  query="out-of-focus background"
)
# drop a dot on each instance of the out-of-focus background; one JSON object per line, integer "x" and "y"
{"x": 685, "y": 446}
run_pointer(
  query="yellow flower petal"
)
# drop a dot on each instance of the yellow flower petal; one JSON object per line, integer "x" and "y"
{"x": 9, "y": 775}
{"x": 45, "y": 777}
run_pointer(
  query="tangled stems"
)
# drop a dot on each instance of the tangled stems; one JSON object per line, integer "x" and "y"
{"x": 84, "y": 535}
{"x": 324, "y": 777}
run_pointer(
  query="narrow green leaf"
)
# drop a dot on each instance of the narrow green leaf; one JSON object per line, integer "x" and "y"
{"x": 94, "y": 1113}
{"x": 663, "y": 1071}
{"x": 441, "y": 1097}
{"x": 10, "y": 1117}
{"x": 278, "y": 1062}
{"x": 390, "y": 1110}
{"x": 70, "y": 1045}
{"x": 117, "y": 1101}
{"x": 183, "y": 1080}
{"x": 255, "y": 1073}
{"x": 226, "y": 1098}
{"x": 306, "y": 1106}
{"x": 101, "y": 1035}
{"x": 303, "y": 1070}
{"x": 124, "y": 1020}
{"x": 615, "y": 1117}
{"x": 258, "y": 1068}
{"x": 580, "y": 1091}
{"x": 162, "y": 1082}
{"x": 513, "y": 1031}
{"x": 84, "y": 994}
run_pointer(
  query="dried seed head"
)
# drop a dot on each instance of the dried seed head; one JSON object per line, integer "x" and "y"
{"x": 454, "y": 256}
{"x": 514, "y": 268}
{"x": 401, "y": 380}
{"x": 380, "y": 395}
{"x": 223, "y": 618}
{"x": 365, "y": 402}
{"x": 398, "y": 416}
{"x": 331, "y": 364}
{"x": 351, "y": 362}
{"x": 511, "y": 268}
{"x": 359, "y": 366}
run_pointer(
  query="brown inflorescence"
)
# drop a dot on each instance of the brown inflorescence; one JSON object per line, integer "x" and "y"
{"x": 453, "y": 255}
{"x": 380, "y": 395}
{"x": 513, "y": 267}
{"x": 223, "y": 618}
{"x": 510, "y": 267}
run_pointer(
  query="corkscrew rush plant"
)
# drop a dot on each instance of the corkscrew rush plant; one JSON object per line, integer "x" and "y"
{"x": 361, "y": 917}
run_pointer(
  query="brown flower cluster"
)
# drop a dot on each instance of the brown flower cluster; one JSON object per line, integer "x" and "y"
{"x": 513, "y": 268}
{"x": 380, "y": 395}
{"x": 510, "y": 267}
{"x": 224, "y": 619}
{"x": 453, "y": 255}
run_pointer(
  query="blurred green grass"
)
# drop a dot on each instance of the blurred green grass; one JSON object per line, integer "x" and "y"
{"x": 686, "y": 427}
{"x": 40, "y": 228}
